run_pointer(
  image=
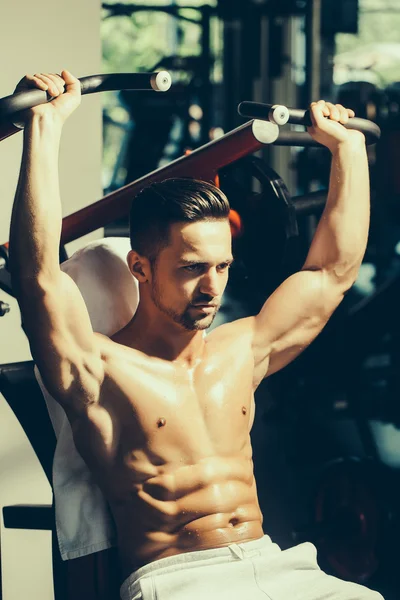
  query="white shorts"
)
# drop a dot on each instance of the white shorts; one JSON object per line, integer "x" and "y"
{"x": 256, "y": 570}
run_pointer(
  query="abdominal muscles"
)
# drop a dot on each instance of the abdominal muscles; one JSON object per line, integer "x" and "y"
{"x": 190, "y": 507}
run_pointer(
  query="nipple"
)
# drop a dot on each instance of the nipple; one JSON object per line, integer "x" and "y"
{"x": 244, "y": 410}
{"x": 161, "y": 422}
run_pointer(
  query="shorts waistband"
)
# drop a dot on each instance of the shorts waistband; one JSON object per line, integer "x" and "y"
{"x": 185, "y": 559}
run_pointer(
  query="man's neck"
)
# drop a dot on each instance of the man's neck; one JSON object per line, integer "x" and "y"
{"x": 163, "y": 339}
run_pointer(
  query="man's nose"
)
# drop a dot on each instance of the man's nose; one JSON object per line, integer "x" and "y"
{"x": 210, "y": 284}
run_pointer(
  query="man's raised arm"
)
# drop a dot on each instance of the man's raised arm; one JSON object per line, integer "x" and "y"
{"x": 298, "y": 310}
{"x": 53, "y": 312}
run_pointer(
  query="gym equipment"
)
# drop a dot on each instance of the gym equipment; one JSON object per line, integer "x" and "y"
{"x": 11, "y": 105}
{"x": 279, "y": 114}
{"x": 207, "y": 161}
{"x": 204, "y": 162}
{"x": 278, "y": 210}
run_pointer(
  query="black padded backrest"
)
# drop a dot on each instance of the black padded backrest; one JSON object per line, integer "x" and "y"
{"x": 22, "y": 392}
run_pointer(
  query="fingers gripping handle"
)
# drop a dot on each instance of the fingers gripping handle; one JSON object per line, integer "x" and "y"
{"x": 159, "y": 82}
{"x": 281, "y": 115}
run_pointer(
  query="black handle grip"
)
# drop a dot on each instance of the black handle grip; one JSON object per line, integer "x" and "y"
{"x": 159, "y": 82}
{"x": 297, "y": 116}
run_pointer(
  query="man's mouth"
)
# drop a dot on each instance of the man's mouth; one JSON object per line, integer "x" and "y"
{"x": 205, "y": 305}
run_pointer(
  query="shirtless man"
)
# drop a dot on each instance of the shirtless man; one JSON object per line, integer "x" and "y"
{"x": 160, "y": 413}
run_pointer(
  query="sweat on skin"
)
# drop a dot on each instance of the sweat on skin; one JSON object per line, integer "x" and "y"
{"x": 161, "y": 415}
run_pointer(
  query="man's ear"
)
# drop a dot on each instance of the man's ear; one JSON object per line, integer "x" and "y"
{"x": 139, "y": 266}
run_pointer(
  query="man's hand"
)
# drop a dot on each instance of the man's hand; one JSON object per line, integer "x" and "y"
{"x": 330, "y": 131}
{"x": 64, "y": 90}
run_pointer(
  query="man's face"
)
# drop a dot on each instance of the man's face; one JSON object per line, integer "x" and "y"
{"x": 191, "y": 273}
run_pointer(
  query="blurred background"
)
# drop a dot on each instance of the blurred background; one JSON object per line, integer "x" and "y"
{"x": 326, "y": 437}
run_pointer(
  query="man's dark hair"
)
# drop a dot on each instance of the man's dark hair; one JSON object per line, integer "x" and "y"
{"x": 178, "y": 200}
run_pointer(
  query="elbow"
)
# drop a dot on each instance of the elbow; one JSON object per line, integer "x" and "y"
{"x": 345, "y": 276}
{"x": 334, "y": 290}
{"x": 329, "y": 292}
{"x": 339, "y": 275}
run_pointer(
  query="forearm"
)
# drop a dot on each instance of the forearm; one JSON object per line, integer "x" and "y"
{"x": 36, "y": 217}
{"x": 341, "y": 237}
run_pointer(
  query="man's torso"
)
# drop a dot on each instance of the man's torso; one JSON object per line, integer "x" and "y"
{"x": 170, "y": 448}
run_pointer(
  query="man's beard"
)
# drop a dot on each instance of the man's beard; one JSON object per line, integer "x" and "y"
{"x": 186, "y": 318}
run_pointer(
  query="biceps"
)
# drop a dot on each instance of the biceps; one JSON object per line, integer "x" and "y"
{"x": 61, "y": 337}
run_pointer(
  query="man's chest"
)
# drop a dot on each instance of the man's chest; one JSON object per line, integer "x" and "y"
{"x": 163, "y": 403}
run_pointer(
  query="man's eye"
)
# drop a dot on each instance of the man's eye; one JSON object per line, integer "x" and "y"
{"x": 199, "y": 267}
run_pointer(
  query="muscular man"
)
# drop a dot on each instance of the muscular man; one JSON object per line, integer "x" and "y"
{"x": 161, "y": 414}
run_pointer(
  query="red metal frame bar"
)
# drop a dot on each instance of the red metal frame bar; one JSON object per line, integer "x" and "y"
{"x": 203, "y": 163}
